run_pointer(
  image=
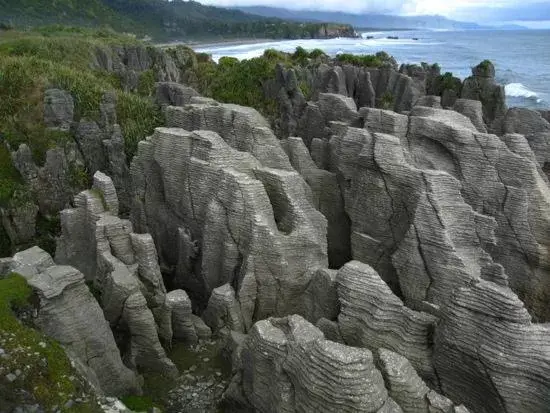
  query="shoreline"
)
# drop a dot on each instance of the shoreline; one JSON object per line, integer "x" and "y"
{"x": 215, "y": 43}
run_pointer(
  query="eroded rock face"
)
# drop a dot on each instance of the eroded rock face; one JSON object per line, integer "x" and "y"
{"x": 372, "y": 316}
{"x": 488, "y": 353}
{"x": 536, "y": 130}
{"x": 250, "y": 213}
{"x": 58, "y": 109}
{"x": 286, "y": 364}
{"x": 483, "y": 87}
{"x": 68, "y": 313}
{"x": 499, "y": 183}
{"x": 124, "y": 267}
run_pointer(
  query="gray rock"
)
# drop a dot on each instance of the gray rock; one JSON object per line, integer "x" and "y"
{"x": 473, "y": 110}
{"x": 69, "y": 313}
{"x": 489, "y": 354}
{"x": 285, "y": 357}
{"x": 223, "y": 311}
{"x": 429, "y": 101}
{"x": 173, "y": 94}
{"x": 182, "y": 323}
{"x": 124, "y": 267}
{"x": 255, "y": 225}
{"x": 19, "y": 222}
{"x": 372, "y": 316}
{"x": 203, "y": 331}
{"x": 482, "y": 86}
{"x": 327, "y": 198}
{"x": 58, "y": 109}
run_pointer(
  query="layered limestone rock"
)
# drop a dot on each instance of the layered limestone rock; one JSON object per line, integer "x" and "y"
{"x": 286, "y": 364}
{"x": 411, "y": 222}
{"x": 327, "y": 198}
{"x": 506, "y": 185}
{"x": 372, "y": 316}
{"x": 19, "y": 219}
{"x": 536, "y": 130}
{"x": 124, "y": 267}
{"x": 68, "y": 313}
{"x": 407, "y": 388}
{"x": 483, "y": 87}
{"x": 173, "y": 94}
{"x": 236, "y": 198}
{"x": 488, "y": 353}
{"x": 58, "y": 109}
{"x": 289, "y": 366}
{"x": 132, "y": 61}
{"x": 242, "y": 128}
{"x": 90, "y": 146}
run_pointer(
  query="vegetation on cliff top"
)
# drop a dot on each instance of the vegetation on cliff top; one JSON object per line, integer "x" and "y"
{"x": 161, "y": 19}
{"x": 33, "y": 368}
{"x": 58, "y": 57}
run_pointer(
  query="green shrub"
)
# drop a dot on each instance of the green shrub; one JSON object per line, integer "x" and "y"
{"x": 138, "y": 117}
{"x": 316, "y": 53}
{"x": 386, "y": 101}
{"x": 300, "y": 55}
{"x": 139, "y": 403}
{"x": 146, "y": 83}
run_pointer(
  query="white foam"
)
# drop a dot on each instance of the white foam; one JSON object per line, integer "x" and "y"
{"x": 518, "y": 90}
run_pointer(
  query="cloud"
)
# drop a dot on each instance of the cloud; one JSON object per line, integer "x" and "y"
{"x": 473, "y": 10}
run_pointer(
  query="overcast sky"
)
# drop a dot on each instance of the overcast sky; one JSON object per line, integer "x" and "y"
{"x": 468, "y": 10}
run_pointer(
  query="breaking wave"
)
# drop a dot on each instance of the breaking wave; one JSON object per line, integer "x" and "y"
{"x": 518, "y": 90}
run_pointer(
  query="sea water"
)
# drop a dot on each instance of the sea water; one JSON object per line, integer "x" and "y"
{"x": 521, "y": 57}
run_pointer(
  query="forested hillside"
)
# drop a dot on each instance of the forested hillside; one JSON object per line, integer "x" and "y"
{"x": 161, "y": 19}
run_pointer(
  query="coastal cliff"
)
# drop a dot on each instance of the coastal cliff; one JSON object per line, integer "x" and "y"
{"x": 368, "y": 239}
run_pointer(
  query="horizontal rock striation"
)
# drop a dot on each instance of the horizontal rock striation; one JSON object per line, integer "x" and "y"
{"x": 488, "y": 353}
{"x": 286, "y": 364}
{"x": 124, "y": 268}
{"x": 228, "y": 209}
{"x": 68, "y": 313}
{"x": 372, "y": 316}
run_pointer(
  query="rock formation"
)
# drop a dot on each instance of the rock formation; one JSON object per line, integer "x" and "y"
{"x": 68, "y": 312}
{"x": 238, "y": 197}
{"x": 286, "y": 364}
{"x": 483, "y": 87}
{"x": 124, "y": 267}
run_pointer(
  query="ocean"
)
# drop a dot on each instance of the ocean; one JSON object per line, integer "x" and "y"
{"x": 522, "y": 57}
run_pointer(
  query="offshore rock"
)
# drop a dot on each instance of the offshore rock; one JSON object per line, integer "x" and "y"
{"x": 254, "y": 224}
{"x": 68, "y": 313}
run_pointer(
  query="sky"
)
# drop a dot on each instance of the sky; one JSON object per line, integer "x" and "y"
{"x": 529, "y": 12}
